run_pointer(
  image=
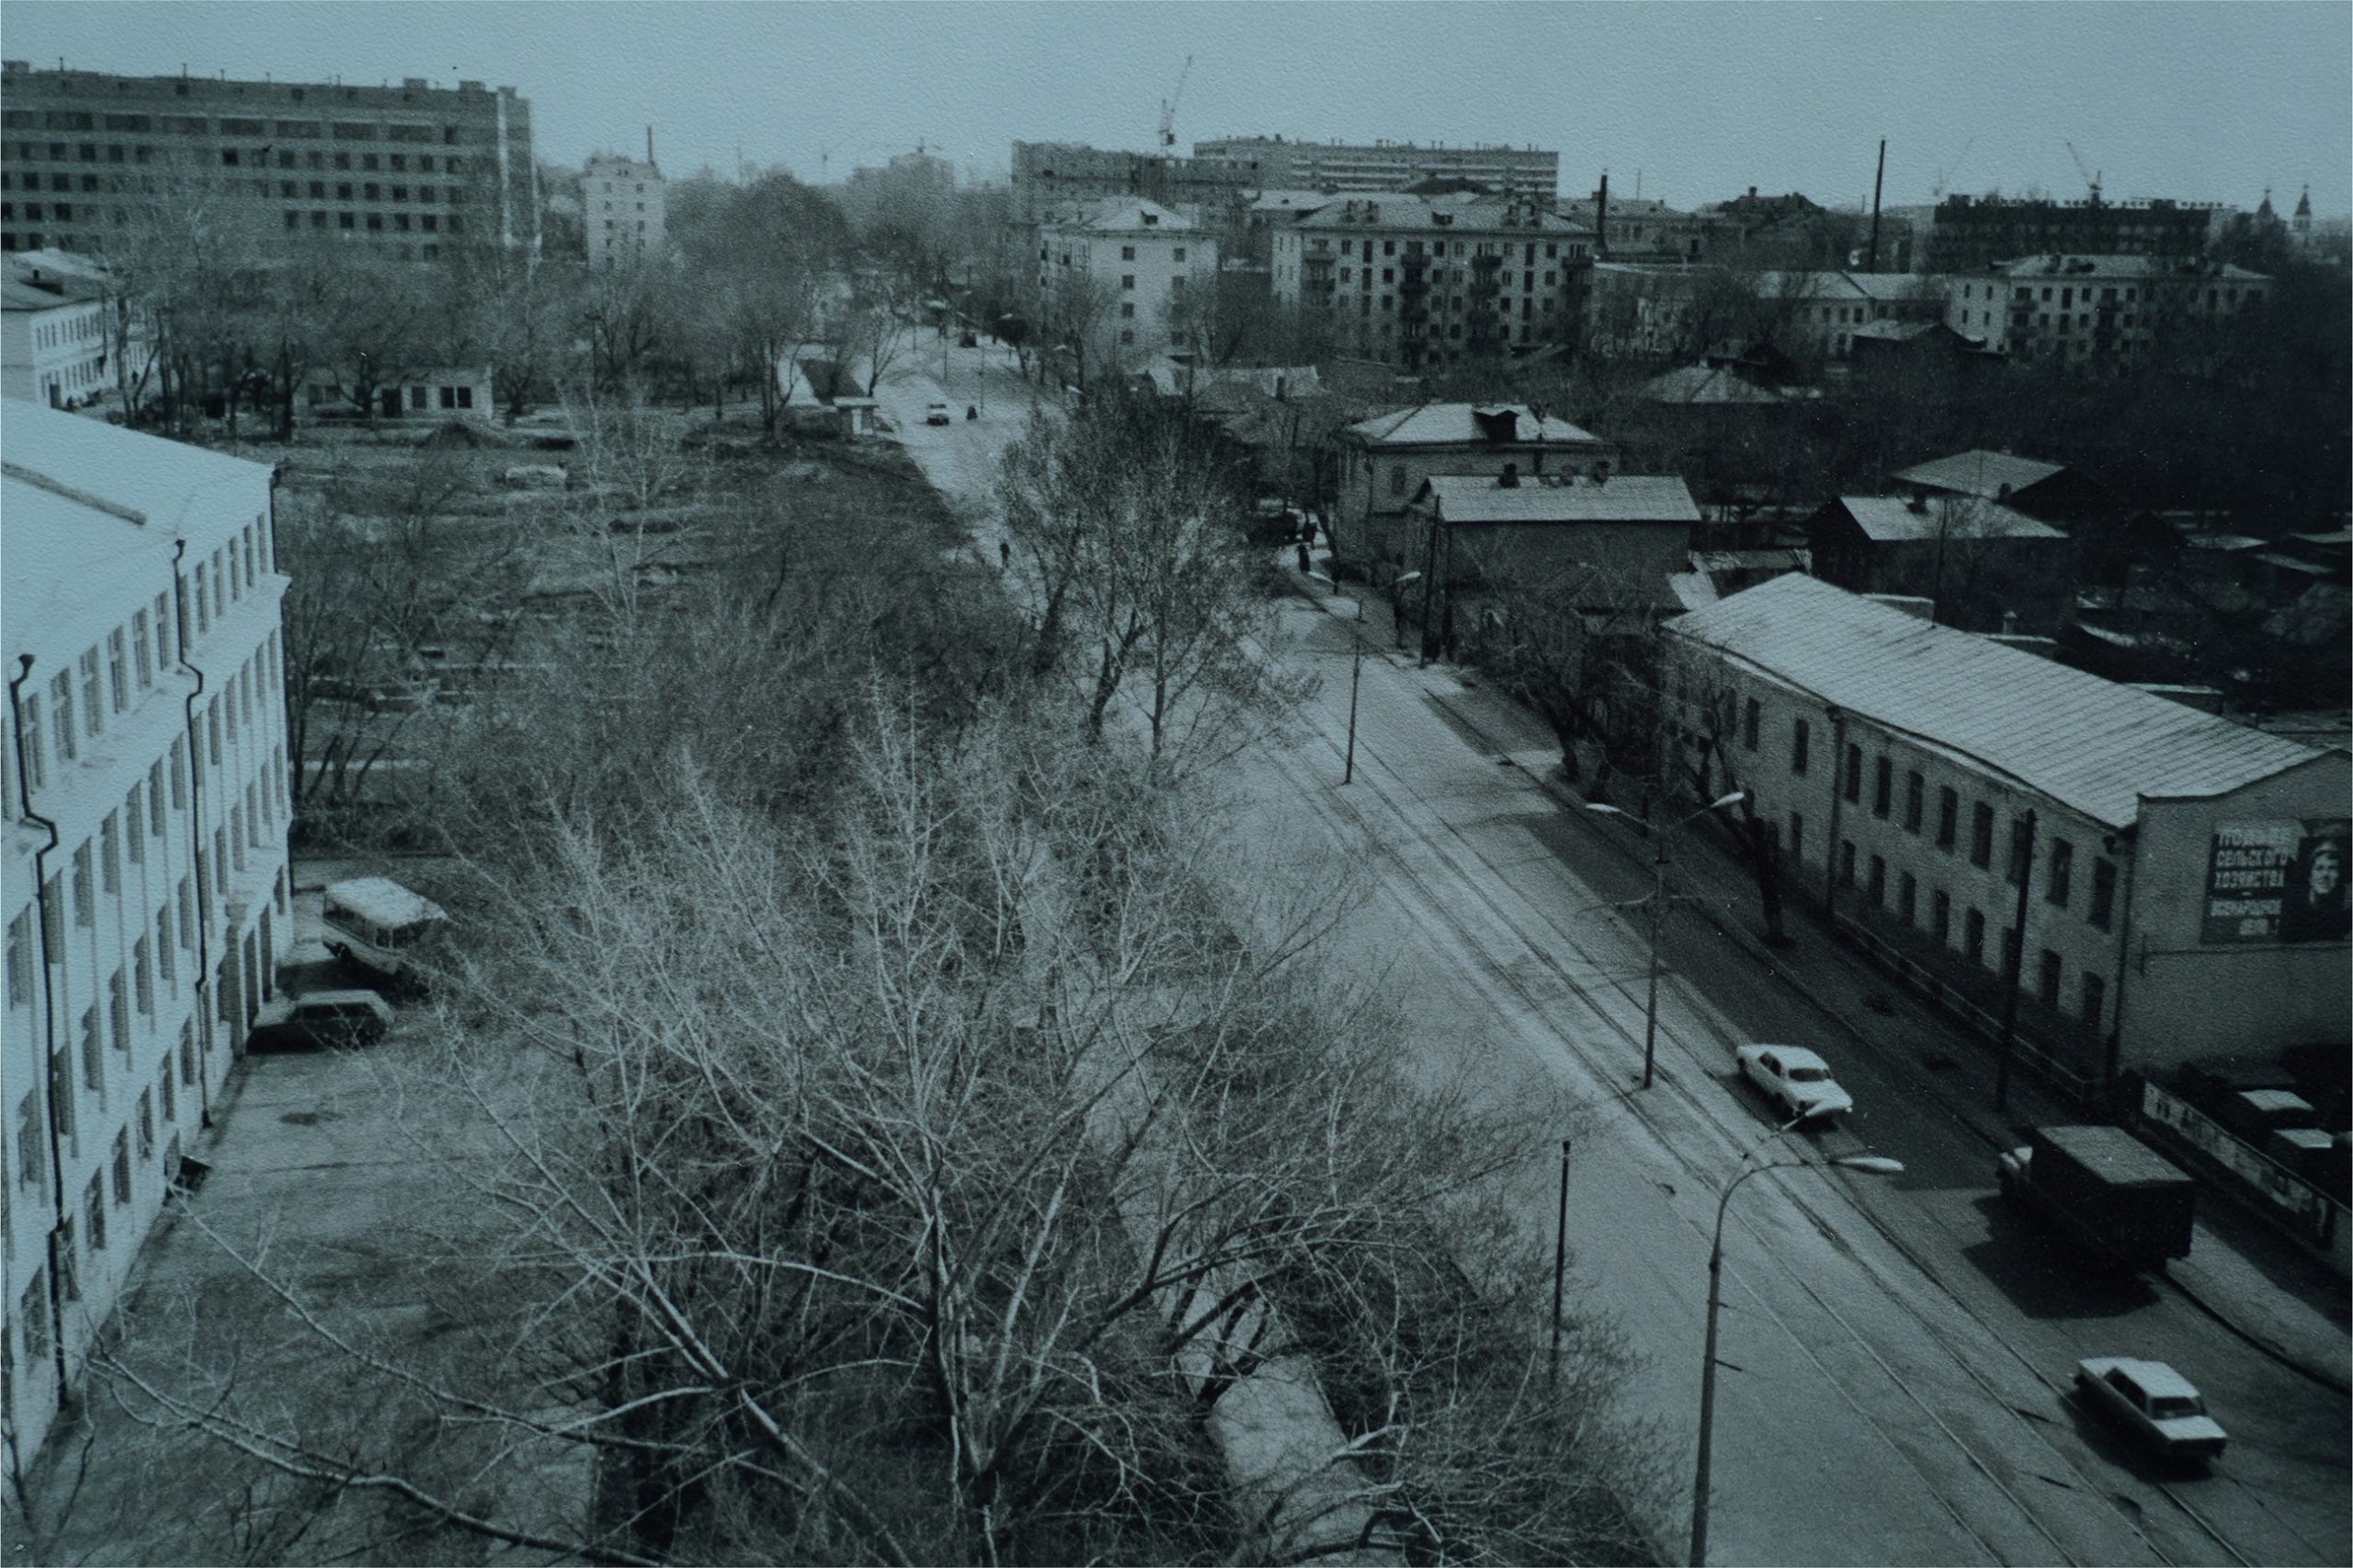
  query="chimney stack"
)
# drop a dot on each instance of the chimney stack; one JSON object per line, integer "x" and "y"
{"x": 1509, "y": 478}
{"x": 649, "y": 147}
{"x": 1919, "y": 502}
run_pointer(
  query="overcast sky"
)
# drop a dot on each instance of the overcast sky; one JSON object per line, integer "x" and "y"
{"x": 2204, "y": 102}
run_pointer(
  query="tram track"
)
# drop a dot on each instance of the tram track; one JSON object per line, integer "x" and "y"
{"x": 1609, "y": 977}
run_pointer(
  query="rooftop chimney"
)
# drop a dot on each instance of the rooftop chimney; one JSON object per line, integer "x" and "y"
{"x": 1919, "y": 502}
{"x": 1509, "y": 478}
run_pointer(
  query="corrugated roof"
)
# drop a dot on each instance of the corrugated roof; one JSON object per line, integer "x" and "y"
{"x": 1630, "y": 498}
{"x": 1890, "y": 518}
{"x": 2088, "y": 743}
{"x": 1979, "y": 472}
{"x": 1450, "y": 424}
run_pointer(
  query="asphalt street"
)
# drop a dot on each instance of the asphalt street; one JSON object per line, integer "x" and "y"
{"x": 1894, "y": 1351}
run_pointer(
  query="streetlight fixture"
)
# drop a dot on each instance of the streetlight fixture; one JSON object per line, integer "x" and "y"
{"x": 1870, "y": 1165}
{"x": 1657, "y": 902}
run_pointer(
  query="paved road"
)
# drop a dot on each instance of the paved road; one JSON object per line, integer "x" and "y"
{"x": 1893, "y": 1351}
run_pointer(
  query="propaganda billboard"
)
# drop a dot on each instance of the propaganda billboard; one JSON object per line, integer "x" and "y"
{"x": 2283, "y": 880}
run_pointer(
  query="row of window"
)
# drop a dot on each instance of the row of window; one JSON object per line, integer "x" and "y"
{"x": 231, "y": 157}
{"x": 175, "y": 1083}
{"x": 373, "y": 222}
{"x": 1438, "y": 247}
{"x": 2059, "y": 866}
{"x": 128, "y": 658}
{"x": 81, "y": 329}
{"x": 2091, "y": 1001}
{"x": 199, "y": 125}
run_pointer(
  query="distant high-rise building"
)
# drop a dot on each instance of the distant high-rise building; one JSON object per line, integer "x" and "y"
{"x": 1064, "y": 178}
{"x": 1272, "y": 162}
{"x": 622, "y": 207}
{"x": 409, "y": 170}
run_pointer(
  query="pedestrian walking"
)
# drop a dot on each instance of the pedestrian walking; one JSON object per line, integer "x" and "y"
{"x": 1005, "y": 554}
{"x": 1303, "y": 559}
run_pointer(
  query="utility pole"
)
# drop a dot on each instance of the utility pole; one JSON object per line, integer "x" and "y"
{"x": 1560, "y": 1273}
{"x": 1879, "y": 180}
{"x": 1355, "y": 678}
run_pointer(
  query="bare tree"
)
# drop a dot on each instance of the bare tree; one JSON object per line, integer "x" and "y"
{"x": 1125, "y": 514}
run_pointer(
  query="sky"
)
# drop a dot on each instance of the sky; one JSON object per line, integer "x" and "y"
{"x": 1695, "y": 100}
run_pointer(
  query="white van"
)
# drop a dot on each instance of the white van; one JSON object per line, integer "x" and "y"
{"x": 377, "y": 923}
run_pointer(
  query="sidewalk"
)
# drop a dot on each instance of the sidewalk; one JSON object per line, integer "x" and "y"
{"x": 2241, "y": 1272}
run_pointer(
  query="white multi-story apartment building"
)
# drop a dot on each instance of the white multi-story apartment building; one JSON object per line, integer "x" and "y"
{"x": 1422, "y": 282}
{"x": 2097, "y": 313}
{"x": 1109, "y": 275}
{"x": 622, "y": 206}
{"x": 146, "y": 884}
{"x": 53, "y": 339}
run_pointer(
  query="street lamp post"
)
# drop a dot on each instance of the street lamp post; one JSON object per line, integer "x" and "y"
{"x": 1657, "y": 902}
{"x": 1873, "y": 1164}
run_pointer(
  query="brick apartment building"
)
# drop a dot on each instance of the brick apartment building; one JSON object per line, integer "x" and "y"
{"x": 410, "y": 171}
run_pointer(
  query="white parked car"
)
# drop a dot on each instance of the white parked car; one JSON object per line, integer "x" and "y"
{"x": 1798, "y": 1080}
{"x": 937, "y": 413}
{"x": 2156, "y": 1404}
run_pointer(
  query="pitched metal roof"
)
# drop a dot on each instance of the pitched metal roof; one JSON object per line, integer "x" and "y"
{"x": 1630, "y": 498}
{"x": 1979, "y": 472}
{"x": 1890, "y": 519}
{"x": 2088, "y": 743}
{"x": 1450, "y": 424}
{"x": 1126, "y": 215}
{"x": 1705, "y": 384}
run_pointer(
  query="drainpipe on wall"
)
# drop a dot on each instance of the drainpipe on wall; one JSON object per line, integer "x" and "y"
{"x": 1837, "y": 717}
{"x": 204, "y": 1019}
{"x": 2112, "y": 1064}
{"x": 2016, "y": 967}
{"x": 47, "y": 1066}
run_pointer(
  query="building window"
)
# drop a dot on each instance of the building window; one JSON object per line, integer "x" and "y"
{"x": 1127, "y": 309}
{"x": 2055, "y": 888}
{"x": 1883, "y": 787}
{"x": 2049, "y": 978}
{"x": 1748, "y": 725}
{"x": 92, "y": 720}
{"x": 111, "y": 852}
{"x": 1907, "y": 898}
{"x": 1940, "y": 917}
{"x": 1973, "y": 937}
{"x": 2021, "y": 850}
{"x": 1397, "y": 479}
{"x": 1915, "y": 797}
{"x": 118, "y": 669}
{"x": 2103, "y": 910}
{"x": 122, "y": 1158}
{"x": 1797, "y": 838}
{"x": 1877, "y": 888}
{"x": 33, "y": 1309}
{"x": 1948, "y": 816}
{"x": 2095, "y": 1005}
{"x": 1127, "y": 280}
{"x": 85, "y": 902}
{"x": 1847, "y": 863}
{"x": 1854, "y": 774}
{"x": 1981, "y": 835}
{"x": 94, "y": 1210}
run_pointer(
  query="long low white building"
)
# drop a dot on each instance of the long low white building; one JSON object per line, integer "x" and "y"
{"x": 145, "y": 877}
{"x": 2167, "y": 885}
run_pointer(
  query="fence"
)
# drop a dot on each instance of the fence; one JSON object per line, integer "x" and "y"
{"x": 2078, "y": 1087}
{"x": 2295, "y": 1205}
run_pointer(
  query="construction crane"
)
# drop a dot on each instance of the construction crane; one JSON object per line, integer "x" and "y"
{"x": 1944, "y": 175}
{"x": 1168, "y": 106}
{"x": 2091, "y": 179}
